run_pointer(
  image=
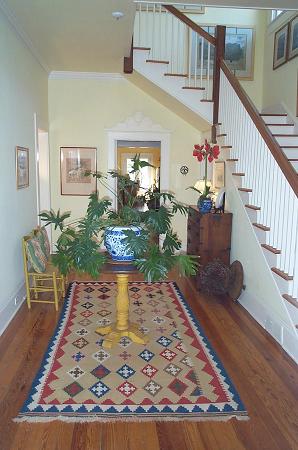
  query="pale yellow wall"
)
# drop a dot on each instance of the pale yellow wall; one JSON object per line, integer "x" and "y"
{"x": 280, "y": 85}
{"x": 81, "y": 110}
{"x": 242, "y": 17}
{"x": 23, "y": 91}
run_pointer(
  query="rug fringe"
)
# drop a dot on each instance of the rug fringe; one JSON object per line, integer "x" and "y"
{"x": 85, "y": 419}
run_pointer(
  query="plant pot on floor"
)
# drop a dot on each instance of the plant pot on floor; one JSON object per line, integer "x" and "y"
{"x": 114, "y": 240}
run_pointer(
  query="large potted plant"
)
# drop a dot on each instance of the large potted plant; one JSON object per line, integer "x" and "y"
{"x": 79, "y": 244}
{"x": 206, "y": 153}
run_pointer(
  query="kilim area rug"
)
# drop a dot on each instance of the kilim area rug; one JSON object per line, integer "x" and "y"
{"x": 176, "y": 376}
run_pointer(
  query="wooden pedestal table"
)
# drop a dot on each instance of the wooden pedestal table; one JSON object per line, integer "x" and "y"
{"x": 122, "y": 327}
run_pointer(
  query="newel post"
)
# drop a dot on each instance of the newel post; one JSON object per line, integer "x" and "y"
{"x": 219, "y": 54}
{"x": 128, "y": 60}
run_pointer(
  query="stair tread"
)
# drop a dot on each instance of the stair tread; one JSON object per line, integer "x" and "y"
{"x": 289, "y": 146}
{"x": 282, "y": 274}
{"x": 142, "y": 48}
{"x": 184, "y": 75}
{"x": 271, "y": 249}
{"x": 222, "y": 135}
{"x": 292, "y": 159}
{"x": 157, "y": 61}
{"x": 255, "y": 208}
{"x": 238, "y": 174}
{"x": 262, "y": 227}
{"x": 206, "y": 101}
{"x": 244, "y": 189}
{"x": 280, "y": 124}
{"x": 195, "y": 88}
{"x": 226, "y": 146}
{"x": 290, "y": 299}
{"x": 232, "y": 159}
{"x": 285, "y": 135}
{"x": 273, "y": 114}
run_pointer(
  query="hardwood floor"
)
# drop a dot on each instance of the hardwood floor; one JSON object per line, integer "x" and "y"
{"x": 265, "y": 377}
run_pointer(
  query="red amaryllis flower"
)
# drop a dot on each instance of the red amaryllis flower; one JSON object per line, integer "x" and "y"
{"x": 197, "y": 147}
{"x": 210, "y": 158}
{"x": 215, "y": 151}
{"x": 200, "y": 157}
{"x": 195, "y": 153}
{"x": 207, "y": 147}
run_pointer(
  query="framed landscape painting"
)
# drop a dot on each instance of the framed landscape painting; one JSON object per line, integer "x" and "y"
{"x": 280, "y": 46}
{"x": 22, "y": 167}
{"x": 74, "y": 163}
{"x": 239, "y": 51}
{"x": 218, "y": 174}
{"x": 293, "y": 38}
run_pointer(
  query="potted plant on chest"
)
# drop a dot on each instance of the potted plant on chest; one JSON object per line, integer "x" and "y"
{"x": 206, "y": 153}
{"x": 128, "y": 233}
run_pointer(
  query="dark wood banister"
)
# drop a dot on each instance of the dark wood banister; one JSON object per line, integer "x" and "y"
{"x": 190, "y": 23}
{"x": 128, "y": 61}
{"x": 281, "y": 159}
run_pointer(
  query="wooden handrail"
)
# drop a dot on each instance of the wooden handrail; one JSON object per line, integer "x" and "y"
{"x": 270, "y": 140}
{"x": 190, "y": 23}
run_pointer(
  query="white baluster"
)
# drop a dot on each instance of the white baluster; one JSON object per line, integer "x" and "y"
{"x": 196, "y": 59}
{"x": 202, "y": 61}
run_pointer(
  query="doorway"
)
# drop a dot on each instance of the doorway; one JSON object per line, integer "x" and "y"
{"x": 149, "y": 177}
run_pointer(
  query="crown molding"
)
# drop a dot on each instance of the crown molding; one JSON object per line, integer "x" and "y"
{"x": 68, "y": 75}
{"x": 12, "y": 19}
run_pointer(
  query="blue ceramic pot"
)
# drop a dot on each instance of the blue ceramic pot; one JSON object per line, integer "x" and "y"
{"x": 115, "y": 243}
{"x": 205, "y": 205}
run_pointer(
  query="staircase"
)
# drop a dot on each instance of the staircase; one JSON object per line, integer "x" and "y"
{"x": 261, "y": 150}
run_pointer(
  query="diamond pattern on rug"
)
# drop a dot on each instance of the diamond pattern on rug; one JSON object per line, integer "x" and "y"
{"x": 99, "y": 389}
{"x": 175, "y": 375}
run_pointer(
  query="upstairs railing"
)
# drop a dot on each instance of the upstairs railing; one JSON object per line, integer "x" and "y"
{"x": 170, "y": 36}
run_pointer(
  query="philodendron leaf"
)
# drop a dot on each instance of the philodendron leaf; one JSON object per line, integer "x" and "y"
{"x": 50, "y": 217}
{"x": 171, "y": 241}
{"x": 138, "y": 164}
{"x": 137, "y": 244}
{"x": 179, "y": 207}
{"x": 159, "y": 220}
{"x": 187, "y": 264}
{"x": 156, "y": 265}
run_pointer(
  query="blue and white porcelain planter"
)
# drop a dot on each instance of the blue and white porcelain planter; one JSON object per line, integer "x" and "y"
{"x": 205, "y": 205}
{"x": 115, "y": 243}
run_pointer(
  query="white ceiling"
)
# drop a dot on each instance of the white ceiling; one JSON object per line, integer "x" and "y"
{"x": 81, "y": 35}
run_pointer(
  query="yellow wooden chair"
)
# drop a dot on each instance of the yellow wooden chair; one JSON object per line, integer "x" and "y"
{"x": 41, "y": 275}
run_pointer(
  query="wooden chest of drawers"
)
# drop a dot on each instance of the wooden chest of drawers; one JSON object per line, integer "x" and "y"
{"x": 209, "y": 236}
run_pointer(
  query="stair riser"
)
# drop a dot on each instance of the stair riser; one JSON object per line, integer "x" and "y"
{"x": 225, "y": 153}
{"x": 291, "y": 152}
{"x": 252, "y": 214}
{"x": 287, "y": 140}
{"x": 274, "y": 119}
{"x": 282, "y": 130}
{"x": 261, "y": 235}
{"x": 283, "y": 285}
{"x": 292, "y": 311}
{"x": 244, "y": 197}
{"x": 271, "y": 258}
{"x": 237, "y": 181}
{"x": 232, "y": 166}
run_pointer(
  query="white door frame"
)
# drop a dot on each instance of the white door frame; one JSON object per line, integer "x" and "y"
{"x": 140, "y": 128}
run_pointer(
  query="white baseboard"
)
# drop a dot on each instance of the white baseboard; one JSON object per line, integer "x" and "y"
{"x": 271, "y": 323}
{"x": 10, "y": 310}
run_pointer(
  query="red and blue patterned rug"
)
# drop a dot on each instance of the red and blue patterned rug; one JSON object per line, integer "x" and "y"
{"x": 176, "y": 376}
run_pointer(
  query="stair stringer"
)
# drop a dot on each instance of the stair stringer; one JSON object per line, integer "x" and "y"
{"x": 261, "y": 297}
{"x": 172, "y": 85}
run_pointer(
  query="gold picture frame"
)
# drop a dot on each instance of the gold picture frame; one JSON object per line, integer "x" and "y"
{"x": 74, "y": 163}
{"x": 293, "y": 38}
{"x": 280, "y": 46}
{"x": 22, "y": 167}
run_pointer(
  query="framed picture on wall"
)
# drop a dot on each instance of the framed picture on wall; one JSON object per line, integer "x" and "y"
{"x": 239, "y": 51}
{"x": 293, "y": 38}
{"x": 218, "y": 175}
{"x": 280, "y": 46}
{"x": 22, "y": 167}
{"x": 74, "y": 163}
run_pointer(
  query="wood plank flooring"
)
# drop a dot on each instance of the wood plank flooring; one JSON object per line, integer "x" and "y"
{"x": 265, "y": 377}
